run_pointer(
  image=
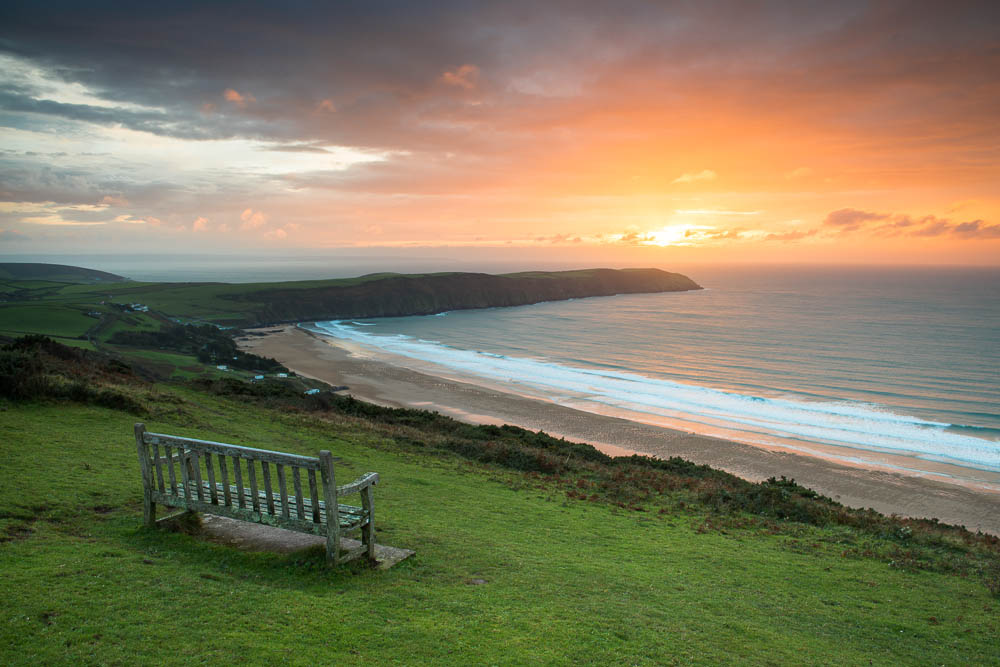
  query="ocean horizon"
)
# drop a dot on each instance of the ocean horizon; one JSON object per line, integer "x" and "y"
{"x": 877, "y": 367}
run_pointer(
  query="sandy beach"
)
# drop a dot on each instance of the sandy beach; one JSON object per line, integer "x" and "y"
{"x": 375, "y": 380}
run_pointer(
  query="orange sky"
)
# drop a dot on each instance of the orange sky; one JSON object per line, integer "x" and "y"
{"x": 777, "y": 132}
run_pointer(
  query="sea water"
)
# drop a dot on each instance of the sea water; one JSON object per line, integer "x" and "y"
{"x": 895, "y": 367}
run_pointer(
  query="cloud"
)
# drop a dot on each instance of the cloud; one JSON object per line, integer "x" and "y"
{"x": 327, "y": 105}
{"x": 776, "y": 87}
{"x": 850, "y": 219}
{"x": 465, "y": 77}
{"x": 58, "y": 220}
{"x": 200, "y": 224}
{"x": 114, "y": 200}
{"x": 252, "y": 219}
{"x": 128, "y": 219}
{"x": 559, "y": 239}
{"x": 696, "y": 177}
{"x": 633, "y": 237}
{"x": 296, "y": 148}
{"x": 976, "y": 229}
{"x": 791, "y": 236}
{"x": 928, "y": 226}
{"x": 236, "y": 98}
{"x": 13, "y": 236}
{"x": 281, "y": 233}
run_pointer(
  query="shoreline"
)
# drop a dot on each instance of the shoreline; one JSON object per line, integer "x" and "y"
{"x": 376, "y": 380}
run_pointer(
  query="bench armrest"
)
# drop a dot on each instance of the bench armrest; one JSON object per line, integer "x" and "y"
{"x": 366, "y": 480}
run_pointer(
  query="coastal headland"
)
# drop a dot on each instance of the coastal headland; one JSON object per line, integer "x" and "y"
{"x": 377, "y": 380}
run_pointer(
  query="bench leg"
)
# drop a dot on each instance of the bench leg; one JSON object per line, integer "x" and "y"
{"x": 368, "y": 530}
{"x": 149, "y": 511}
{"x": 368, "y": 539}
{"x": 332, "y": 546}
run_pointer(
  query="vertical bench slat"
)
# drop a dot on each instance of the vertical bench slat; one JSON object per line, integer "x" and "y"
{"x": 212, "y": 493}
{"x": 266, "y": 469}
{"x": 240, "y": 494}
{"x": 169, "y": 451}
{"x": 314, "y": 494}
{"x": 224, "y": 469}
{"x": 297, "y": 479}
{"x": 252, "y": 472}
{"x": 157, "y": 463}
{"x": 195, "y": 462}
{"x": 185, "y": 473}
{"x": 282, "y": 490}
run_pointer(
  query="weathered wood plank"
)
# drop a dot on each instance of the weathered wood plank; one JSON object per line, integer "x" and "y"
{"x": 349, "y": 517}
{"x": 282, "y": 489}
{"x": 195, "y": 461}
{"x": 244, "y": 514}
{"x": 185, "y": 474}
{"x": 330, "y": 496}
{"x": 232, "y": 450}
{"x": 266, "y": 470}
{"x": 252, "y": 474}
{"x": 148, "y": 506}
{"x": 224, "y": 471}
{"x": 299, "y": 505}
{"x": 357, "y": 485}
{"x": 157, "y": 463}
{"x": 239, "y": 480}
{"x": 170, "y": 469}
{"x": 368, "y": 502}
{"x": 313, "y": 495}
{"x": 210, "y": 469}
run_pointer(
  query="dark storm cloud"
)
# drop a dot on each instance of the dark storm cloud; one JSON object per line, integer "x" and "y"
{"x": 384, "y": 74}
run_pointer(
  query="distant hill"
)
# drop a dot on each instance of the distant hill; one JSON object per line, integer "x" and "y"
{"x": 60, "y": 273}
{"x": 388, "y": 295}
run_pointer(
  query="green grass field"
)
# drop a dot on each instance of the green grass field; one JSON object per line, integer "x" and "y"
{"x": 508, "y": 570}
{"x": 511, "y": 567}
{"x": 17, "y": 319}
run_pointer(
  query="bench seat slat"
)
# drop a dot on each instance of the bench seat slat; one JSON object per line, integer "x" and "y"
{"x": 349, "y": 516}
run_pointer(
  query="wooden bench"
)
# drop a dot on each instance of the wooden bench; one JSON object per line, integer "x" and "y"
{"x": 195, "y": 475}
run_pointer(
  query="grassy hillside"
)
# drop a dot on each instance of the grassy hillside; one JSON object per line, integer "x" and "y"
{"x": 374, "y": 295}
{"x": 54, "y": 272}
{"x": 529, "y": 549}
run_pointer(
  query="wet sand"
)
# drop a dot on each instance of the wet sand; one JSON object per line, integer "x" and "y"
{"x": 377, "y": 381}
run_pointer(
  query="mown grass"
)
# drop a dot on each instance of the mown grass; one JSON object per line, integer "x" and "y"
{"x": 54, "y": 320}
{"x": 510, "y": 569}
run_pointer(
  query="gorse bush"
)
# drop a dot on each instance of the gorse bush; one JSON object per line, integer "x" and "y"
{"x": 210, "y": 344}
{"x": 37, "y": 368}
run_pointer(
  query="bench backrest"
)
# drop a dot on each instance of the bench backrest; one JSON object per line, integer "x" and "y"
{"x": 239, "y": 479}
